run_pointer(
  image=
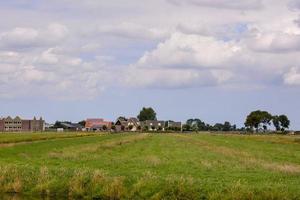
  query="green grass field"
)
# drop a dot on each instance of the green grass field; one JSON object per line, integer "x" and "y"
{"x": 149, "y": 166}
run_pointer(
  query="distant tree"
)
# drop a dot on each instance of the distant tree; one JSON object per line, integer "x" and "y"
{"x": 227, "y": 126}
{"x": 190, "y": 122}
{"x": 257, "y": 119}
{"x": 234, "y": 128}
{"x": 197, "y": 125}
{"x": 201, "y": 125}
{"x": 186, "y": 127}
{"x": 285, "y": 122}
{"x": 281, "y": 123}
{"x": 82, "y": 123}
{"x": 147, "y": 114}
{"x": 194, "y": 127}
{"x": 276, "y": 122}
{"x": 218, "y": 127}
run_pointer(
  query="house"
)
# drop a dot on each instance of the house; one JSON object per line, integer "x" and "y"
{"x": 131, "y": 124}
{"x": 173, "y": 126}
{"x": 153, "y": 125}
{"x": 98, "y": 125}
{"x": 17, "y": 124}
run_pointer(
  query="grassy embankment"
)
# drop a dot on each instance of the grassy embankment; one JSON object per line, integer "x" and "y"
{"x": 150, "y": 166}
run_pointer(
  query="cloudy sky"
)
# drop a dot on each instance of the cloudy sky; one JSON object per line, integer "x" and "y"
{"x": 212, "y": 59}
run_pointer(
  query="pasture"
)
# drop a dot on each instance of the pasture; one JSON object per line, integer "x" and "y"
{"x": 149, "y": 166}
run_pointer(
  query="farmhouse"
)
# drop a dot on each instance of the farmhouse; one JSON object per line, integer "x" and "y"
{"x": 97, "y": 125}
{"x": 131, "y": 124}
{"x": 17, "y": 124}
{"x": 153, "y": 125}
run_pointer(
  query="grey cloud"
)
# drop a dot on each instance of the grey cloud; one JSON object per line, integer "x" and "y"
{"x": 294, "y": 5}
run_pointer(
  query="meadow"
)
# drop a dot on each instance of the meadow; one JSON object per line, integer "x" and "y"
{"x": 149, "y": 166}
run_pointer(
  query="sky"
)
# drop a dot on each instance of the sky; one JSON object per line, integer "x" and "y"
{"x": 216, "y": 60}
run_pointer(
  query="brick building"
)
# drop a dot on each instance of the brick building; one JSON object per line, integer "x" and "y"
{"x": 17, "y": 124}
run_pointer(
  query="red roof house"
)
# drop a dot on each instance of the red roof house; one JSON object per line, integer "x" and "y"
{"x": 97, "y": 124}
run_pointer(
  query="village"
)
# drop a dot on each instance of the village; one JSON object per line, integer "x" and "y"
{"x": 145, "y": 121}
{"x": 17, "y": 124}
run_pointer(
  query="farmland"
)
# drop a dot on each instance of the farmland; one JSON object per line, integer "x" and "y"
{"x": 149, "y": 166}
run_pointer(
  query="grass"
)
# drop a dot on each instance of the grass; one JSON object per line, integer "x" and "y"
{"x": 150, "y": 166}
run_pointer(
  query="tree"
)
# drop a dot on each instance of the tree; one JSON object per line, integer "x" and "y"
{"x": 218, "y": 127}
{"x": 197, "y": 125}
{"x": 234, "y": 127}
{"x": 257, "y": 119}
{"x": 147, "y": 114}
{"x": 281, "y": 122}
{"x": 276, "y": 122}
{"x": 186, "y": 127}
{"x": 284, "y": 121}
{"x": 227, "y": 126}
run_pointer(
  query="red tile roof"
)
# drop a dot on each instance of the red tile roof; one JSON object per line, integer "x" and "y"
{"x": 97, "y": 122}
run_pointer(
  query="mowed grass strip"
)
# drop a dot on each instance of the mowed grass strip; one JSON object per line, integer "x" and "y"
{"x": 151, "y": 166}
{"x": 246, "y": 154}
{"x": 11, "y": 139}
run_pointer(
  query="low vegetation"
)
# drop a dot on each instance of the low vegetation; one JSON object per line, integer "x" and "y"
{"x": 151, "y": 166}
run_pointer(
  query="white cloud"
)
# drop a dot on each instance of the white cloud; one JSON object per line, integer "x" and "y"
{"x": 154, "y": 44}
{"x": 276, "y": 42}
{"x": 20, "y": 37}
{"x": 184, "y": 61}
{"x": 167, "y": 78}
{"x": 185, "y": 50}
{"x": 292, "y": 77}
